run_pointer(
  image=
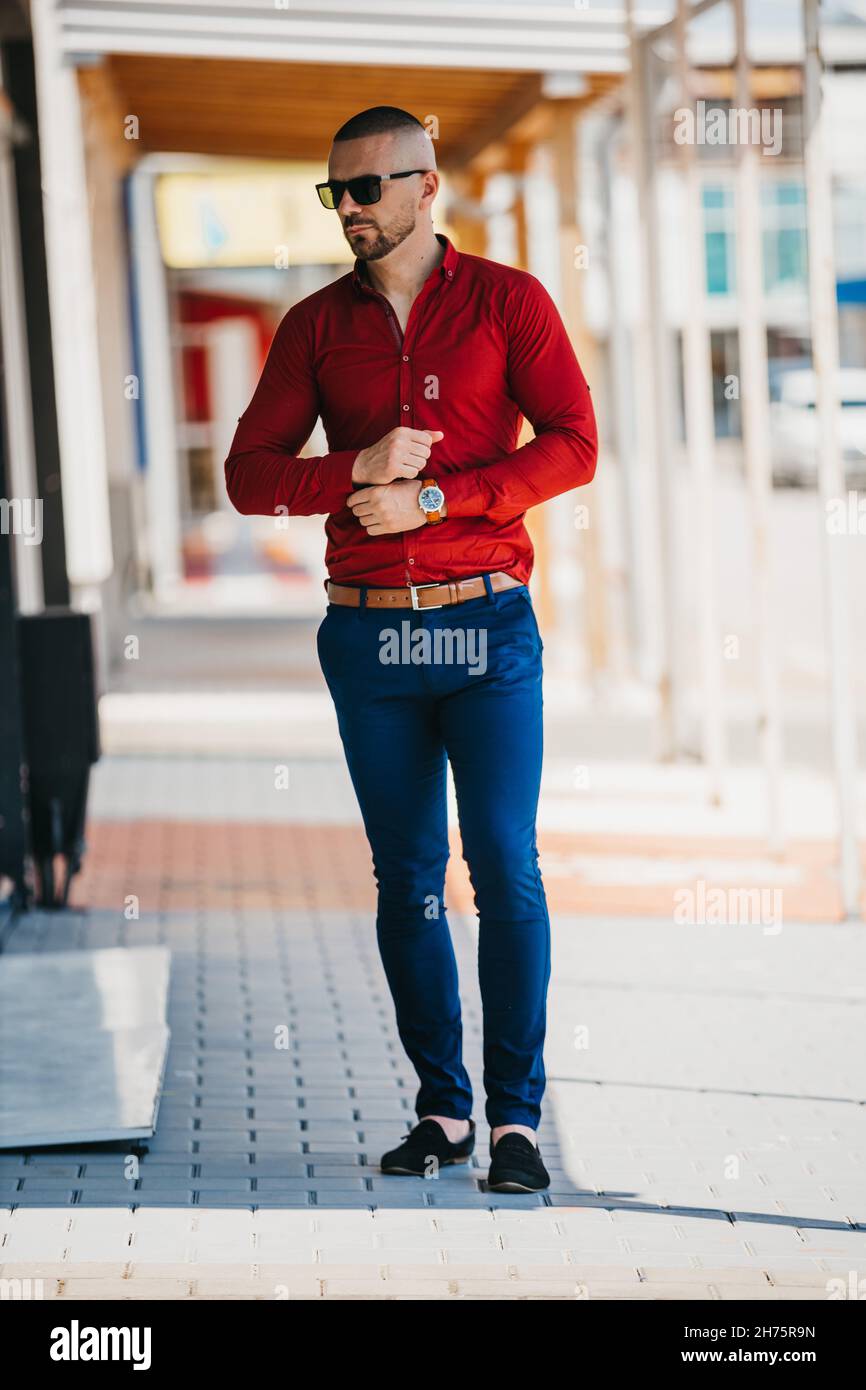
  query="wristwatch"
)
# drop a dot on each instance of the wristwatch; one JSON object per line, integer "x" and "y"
{"x": 430, "y": 500}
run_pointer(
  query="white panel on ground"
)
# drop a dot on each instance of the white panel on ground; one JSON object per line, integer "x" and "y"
{"x": 83, "y": 1043}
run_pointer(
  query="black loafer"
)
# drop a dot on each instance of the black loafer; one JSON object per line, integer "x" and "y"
{"x": 516, "y": 1166}
{"x": 427, "y": 1142}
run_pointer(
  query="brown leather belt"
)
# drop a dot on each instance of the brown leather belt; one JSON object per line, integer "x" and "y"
{"x": 421, "y": 595}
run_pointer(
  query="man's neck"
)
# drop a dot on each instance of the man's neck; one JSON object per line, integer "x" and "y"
{"x": 403, "y": 271}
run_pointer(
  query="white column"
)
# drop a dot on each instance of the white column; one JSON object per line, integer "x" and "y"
{"x": 87, "y": 527}
{"x": 641, "y": 558}
{"x": 755, "y": 415}
{"x": 831, "y": 478}
{"x": 654, "y": 457}
{"x": 700, "y": 432}
{"x": 232, "y": 366}
{"x": 162, "y": 493}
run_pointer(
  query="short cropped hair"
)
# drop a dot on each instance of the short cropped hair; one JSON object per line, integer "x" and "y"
{"x": 377, "y": 120}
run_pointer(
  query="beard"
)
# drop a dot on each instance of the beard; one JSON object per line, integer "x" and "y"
{"x": 379, "y": 243}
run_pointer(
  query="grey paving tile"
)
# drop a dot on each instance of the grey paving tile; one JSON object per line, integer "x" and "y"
{"x": 43, "y": 1198}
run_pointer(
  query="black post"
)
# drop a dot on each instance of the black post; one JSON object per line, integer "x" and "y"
{"x": 19, "y": 80}
{"x": 14, "y": 818}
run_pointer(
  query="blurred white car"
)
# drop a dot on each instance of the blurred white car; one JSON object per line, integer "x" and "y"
{"x": 794, "y": 427}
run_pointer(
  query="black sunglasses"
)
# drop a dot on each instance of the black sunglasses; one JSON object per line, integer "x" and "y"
{"x": 365, "y": 189}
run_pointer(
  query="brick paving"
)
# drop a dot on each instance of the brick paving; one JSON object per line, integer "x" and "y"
{"x": 226, "y": 844}
{"x": 704, "y": 1128}
{"x": 185, "y": 864}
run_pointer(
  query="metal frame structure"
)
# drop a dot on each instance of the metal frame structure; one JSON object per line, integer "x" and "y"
{"x": 754, "y": 400}
{"x": 831, "y": 477}
{"x": 700, "y": 432}
{"x": 824, "y": 325}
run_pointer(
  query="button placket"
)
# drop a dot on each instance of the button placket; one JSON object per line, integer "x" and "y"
{"x": 417, "y": 315}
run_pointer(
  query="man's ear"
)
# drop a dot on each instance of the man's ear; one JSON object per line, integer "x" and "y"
{"x": 431, "y": 186}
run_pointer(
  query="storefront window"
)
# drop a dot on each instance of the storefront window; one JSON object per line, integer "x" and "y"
{"x": 719, "y": 244}
{"x": 783, "y": 211}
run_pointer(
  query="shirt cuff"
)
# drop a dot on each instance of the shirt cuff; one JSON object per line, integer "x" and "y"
{"x": 463, "y": 494}
{"x": 335, "y": 471}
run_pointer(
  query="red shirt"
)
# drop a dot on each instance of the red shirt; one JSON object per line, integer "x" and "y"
{"x": 484, "y": 345}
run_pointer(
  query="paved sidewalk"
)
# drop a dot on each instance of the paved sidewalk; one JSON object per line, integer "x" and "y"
{"x": 704, "y": 1127}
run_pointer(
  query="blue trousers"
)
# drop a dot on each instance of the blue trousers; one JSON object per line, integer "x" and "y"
{"x": 412, "y": 690}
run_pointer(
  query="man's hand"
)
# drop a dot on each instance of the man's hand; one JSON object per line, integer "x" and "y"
{"x": 384, "y": 510}
{"x": 402, "y": 453}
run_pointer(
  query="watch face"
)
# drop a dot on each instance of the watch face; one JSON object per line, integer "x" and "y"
{"x": 430, "y": 499}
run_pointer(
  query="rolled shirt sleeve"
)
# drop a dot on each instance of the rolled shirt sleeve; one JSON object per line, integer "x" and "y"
{"x": 548, "y": 386}
{"x": 265, "y": 476}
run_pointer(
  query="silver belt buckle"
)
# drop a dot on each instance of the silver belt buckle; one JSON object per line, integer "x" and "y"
{"x": 428, "y": 607}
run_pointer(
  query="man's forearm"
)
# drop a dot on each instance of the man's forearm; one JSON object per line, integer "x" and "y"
{"x": 265, "y": 482}
{"x": 547, "y": 466}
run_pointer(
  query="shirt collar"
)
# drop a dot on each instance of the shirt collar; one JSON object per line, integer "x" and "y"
{"x": 445, "y": 271}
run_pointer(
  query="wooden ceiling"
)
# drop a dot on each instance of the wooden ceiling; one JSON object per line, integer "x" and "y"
{"x": 290, "y": 110}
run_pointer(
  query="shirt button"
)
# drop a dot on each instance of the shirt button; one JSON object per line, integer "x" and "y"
{"x": 405, "y": 358}
{"x": 411, "y": 561}
{"x": 405, "y": 407}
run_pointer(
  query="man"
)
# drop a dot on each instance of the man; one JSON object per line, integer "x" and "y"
{"x": 421, "y": 363}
